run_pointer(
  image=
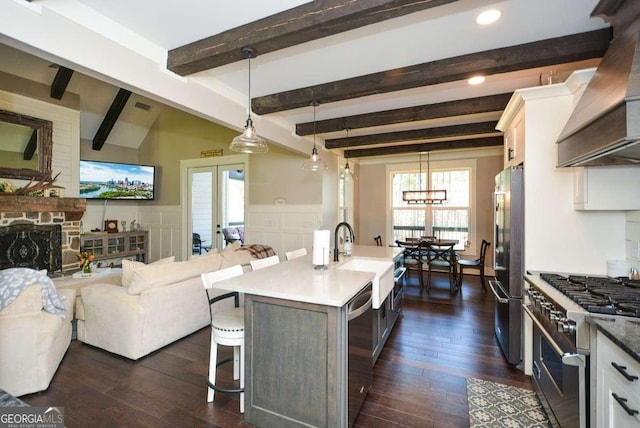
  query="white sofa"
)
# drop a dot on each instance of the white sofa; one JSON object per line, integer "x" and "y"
{"x": 32, "y": 341}
{"x": 155, "y": 305}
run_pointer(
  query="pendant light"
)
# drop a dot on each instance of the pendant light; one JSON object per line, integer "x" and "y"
{"x": 248, "y": 141}
{"x": 314, "y": 163}
{"x": 347, "y": 170}
{"x": 424, "y": 196}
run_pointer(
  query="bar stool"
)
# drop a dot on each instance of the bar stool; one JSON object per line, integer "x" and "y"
{"x": 227, "y": 329}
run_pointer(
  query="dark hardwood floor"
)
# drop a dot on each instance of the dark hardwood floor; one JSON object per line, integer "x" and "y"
{"x": 419, "y": 379}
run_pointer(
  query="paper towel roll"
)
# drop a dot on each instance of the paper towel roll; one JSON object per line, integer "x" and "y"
{"x": 321, "y": 247}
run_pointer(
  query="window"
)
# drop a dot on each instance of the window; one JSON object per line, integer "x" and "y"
{"x": 449, "y": 220}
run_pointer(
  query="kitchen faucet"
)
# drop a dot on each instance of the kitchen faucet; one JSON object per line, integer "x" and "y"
{"x": 336, "y": 252}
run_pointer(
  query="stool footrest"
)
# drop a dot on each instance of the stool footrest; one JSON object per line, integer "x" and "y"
{"x": 220, "y": 388}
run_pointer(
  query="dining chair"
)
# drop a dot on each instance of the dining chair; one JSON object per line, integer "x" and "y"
{"x": 227, "y": 329}
{"x": 442, "y": 257}
{"x": 294, "y": 254}
{"x": 257, "y": 264}
{"x": 475, "y": 264}
{"x": 414, "y": 257}
{"x": 378, "y": 240}
{"x": 196, "y": 244}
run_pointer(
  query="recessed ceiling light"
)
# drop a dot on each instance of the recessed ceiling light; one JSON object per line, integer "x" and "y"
{"x": 488, "y": 17}
{"x": 476, "y": 80}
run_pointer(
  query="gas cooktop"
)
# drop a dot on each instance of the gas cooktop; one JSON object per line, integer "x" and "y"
{"x": 603, "y": 295}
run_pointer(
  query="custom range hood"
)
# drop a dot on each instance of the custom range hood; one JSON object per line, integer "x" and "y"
{"x": 604, "y": 128}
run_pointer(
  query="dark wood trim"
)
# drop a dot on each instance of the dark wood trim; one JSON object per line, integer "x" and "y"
{"x": 73, "y": 208}
{"x": 467, "y": 106}
{"x": 309, "y": 21}
{"x": 111, "y": 118}
{"x": 44, "y": 129}
{"x": 471, "y": 143}
{"x": 60, "y": 82}
{"x": 414, "y": 134}
{"x": 558, "y": 50}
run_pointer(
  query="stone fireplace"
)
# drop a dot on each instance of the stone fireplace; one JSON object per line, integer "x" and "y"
{"x": 58, "y": 229}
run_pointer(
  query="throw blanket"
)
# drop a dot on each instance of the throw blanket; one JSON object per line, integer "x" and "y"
{"x": 14, "y": 281}
{"x": 258, "y": 251}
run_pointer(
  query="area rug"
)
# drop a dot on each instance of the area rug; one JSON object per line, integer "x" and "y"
{"x": 494, "y": 405}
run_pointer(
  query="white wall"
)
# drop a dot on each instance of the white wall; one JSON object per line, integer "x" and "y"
{"x": 283, "y": 227}
{"x": 557, "y": 237}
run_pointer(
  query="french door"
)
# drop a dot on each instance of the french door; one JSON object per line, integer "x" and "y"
{"x": 213, "y": 199}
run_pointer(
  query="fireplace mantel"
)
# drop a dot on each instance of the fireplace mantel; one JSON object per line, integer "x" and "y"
{"x": 73, "y": 208}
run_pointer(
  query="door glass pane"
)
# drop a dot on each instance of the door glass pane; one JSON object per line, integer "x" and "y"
{"x": 231, "y": 201}
{"x": 201, "y": 208}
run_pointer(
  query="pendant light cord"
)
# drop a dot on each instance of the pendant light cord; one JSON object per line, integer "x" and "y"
{"x": 249, "y": 104}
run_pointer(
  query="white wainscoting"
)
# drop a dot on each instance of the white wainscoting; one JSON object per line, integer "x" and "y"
{"x": 283, "y": 227}
{"x": 164, "y": 225}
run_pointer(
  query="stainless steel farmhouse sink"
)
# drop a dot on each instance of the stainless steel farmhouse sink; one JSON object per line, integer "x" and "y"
{"x": 383, "y": 280}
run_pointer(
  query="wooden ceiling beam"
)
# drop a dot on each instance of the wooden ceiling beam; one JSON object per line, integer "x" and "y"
{"x": 464, "y": 107}
{"x": 309, "y": 21}
{"x": 448, "y": 132}
{"x": 471, "y": 143}
{"x": 60, "y": 82}
{"x": 558, "y": 50}
{"x": 111, "y": 118}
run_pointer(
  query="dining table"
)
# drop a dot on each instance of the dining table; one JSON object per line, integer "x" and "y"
{"x": 435, "y": 253}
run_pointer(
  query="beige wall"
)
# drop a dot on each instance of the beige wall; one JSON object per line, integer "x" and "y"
{"x": 278, "y": 174}
{"x": 371, "y": 204}
{"x": 177, "y": 135}
{"x": 372, "y": 210}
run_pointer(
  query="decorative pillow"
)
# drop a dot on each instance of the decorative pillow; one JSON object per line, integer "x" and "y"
{"x": 129, "y": 267}
{"x": 14, "y": 281}
{"x": 232, "y": 258}
{"x": 152, "y": 276}
{"x": 211, "y": 252}
{"x": 231, "y": 247}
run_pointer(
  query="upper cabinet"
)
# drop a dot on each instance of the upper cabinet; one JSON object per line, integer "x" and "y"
{"x": 514, "y": 141}
{"x": 610, "y": 188}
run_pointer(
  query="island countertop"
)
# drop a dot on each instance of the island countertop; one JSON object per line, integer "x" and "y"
{"x": 297, "y": 280}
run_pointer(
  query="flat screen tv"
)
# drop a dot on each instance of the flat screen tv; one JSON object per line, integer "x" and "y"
{"x": 116, "y": 181}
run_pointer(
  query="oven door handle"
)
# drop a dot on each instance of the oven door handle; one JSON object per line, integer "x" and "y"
{"x": 495, "y": 293}
{"x": 575, "y": 360}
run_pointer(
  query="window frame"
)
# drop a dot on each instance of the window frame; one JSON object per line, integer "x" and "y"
{"x": 437, "y": 166}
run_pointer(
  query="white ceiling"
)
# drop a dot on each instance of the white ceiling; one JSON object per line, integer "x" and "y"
{"x": 145, "y": 30}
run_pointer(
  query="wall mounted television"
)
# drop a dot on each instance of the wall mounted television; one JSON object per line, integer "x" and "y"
{"x": 116, "y": 181}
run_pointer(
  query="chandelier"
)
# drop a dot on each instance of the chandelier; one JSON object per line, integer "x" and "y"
{"x": 428, "y": 196}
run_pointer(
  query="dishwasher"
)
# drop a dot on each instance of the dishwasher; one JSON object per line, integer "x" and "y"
{"x": 360, "y": 360}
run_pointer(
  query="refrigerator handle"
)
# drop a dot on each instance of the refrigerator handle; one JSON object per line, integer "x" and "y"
{"x": 492, "y": 286}
{"x": 495, "y": 229}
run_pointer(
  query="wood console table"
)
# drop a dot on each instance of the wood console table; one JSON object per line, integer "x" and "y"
{"x": 122, "y": 245}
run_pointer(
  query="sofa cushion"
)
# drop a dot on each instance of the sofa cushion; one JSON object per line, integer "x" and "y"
{"x": 152, "y": 276}
{"x": 30, "y": 300}
{"x": 129, "y": 267}
{"x": 13, "y": 281}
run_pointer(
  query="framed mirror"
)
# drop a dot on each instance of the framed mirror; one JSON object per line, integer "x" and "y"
{"x": 25, "y": 146}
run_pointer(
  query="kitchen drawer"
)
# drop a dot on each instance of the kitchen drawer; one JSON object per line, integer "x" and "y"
{"x": 612, "y": 383}
{"x": 608, "y": 353}
{"x": 613, "y": 392}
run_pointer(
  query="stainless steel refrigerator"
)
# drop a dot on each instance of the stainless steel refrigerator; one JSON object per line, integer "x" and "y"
{"x": 508, "y": 261}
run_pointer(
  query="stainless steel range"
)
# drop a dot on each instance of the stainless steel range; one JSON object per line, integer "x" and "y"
{"x": 557, "y": 305}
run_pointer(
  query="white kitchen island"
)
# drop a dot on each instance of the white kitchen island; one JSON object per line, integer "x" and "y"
{"x": 296, "y": 339}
